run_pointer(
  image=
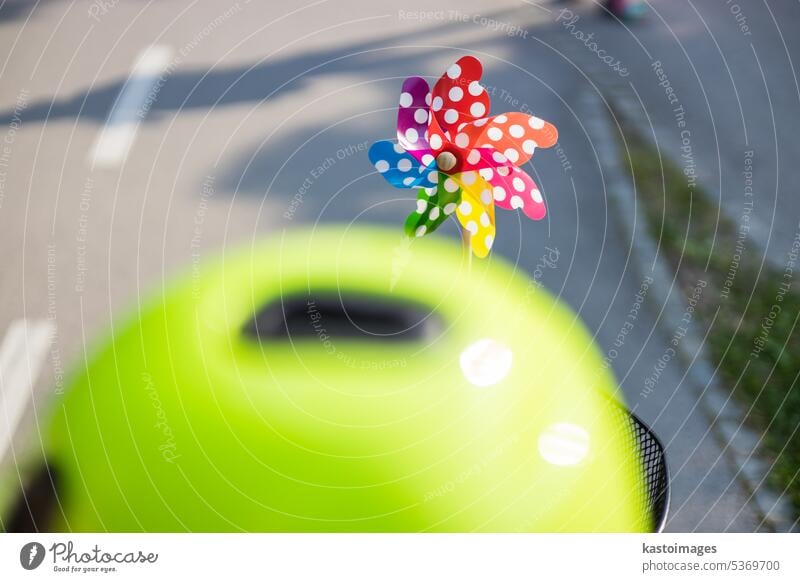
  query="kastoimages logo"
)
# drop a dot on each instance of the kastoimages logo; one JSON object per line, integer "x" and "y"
{"x": 31, "y": 555}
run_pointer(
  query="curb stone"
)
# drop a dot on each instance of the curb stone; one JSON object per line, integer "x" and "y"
{"x": 739, "y": 443}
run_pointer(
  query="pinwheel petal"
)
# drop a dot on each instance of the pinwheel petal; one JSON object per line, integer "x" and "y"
{"x": 412, "y": 117}
{"x": 480, "y": 158}
{"x": 437, "y": 137}
{"x": 476, "y": 211}
{"x": 513, "y": 188}
{"x": 400, "y": 168}
{"x": 458, "y": 97}
{"x": 514, "y": 136}
{"x": 434, "y": 206}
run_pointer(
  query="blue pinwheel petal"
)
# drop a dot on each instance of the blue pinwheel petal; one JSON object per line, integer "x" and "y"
{"x": 401, "y": 169}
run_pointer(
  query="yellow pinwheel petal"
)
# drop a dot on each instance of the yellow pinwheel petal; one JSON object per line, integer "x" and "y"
{"x": 476, "y": 211}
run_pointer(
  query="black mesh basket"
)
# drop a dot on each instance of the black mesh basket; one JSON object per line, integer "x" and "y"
{"x": 641, "y": 439}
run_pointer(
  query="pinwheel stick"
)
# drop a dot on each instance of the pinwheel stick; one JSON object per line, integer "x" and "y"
{"x": 465, "y": 244}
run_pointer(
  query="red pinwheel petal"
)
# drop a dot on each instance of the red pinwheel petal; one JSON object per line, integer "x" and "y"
{"x": 513, "y": 188}
{"x": 514, "y": 135}
{"x": 458, "y": 96}
{"x": 466, "y": 159}
{"x": 437, "y": 138}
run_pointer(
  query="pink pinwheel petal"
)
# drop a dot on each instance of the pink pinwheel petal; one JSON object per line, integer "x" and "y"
{"x": 513, "y": 188}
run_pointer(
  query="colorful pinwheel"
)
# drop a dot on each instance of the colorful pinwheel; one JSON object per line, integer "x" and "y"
{"x": 461, "y": 161}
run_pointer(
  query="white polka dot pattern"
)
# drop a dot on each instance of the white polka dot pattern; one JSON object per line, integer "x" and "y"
{"x": 516, "y": 189}
{"x": 399, "y": 167}
{"x": 512, "y": 135}
{"x": 449, "y": 122}
{"x": 459, "y": 97}
{"x": 433, "y": 208}
{"x": 412, "y": 117}
{"x": 476, "y": 213}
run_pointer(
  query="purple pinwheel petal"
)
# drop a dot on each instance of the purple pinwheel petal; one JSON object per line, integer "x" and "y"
{"x": 400, "y": 168}
{"x": 412, "y": 117}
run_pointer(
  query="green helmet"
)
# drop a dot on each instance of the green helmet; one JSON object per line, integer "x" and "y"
{"x": 346, "y": 380}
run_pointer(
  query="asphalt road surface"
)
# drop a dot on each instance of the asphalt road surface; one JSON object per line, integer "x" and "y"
{"x": 727, "y": 70}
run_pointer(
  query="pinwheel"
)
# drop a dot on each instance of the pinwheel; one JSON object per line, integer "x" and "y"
{"x": 461, "y": 161}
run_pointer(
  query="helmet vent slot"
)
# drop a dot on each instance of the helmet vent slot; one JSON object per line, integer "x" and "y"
{"x": 345, "y": 316}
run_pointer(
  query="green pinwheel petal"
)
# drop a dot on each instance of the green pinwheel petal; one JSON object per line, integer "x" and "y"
{"x": 433, "y": 208}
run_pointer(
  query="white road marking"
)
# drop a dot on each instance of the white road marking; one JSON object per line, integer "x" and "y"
{"x": 134, "y": 102}
{"x": 22, "y": 354}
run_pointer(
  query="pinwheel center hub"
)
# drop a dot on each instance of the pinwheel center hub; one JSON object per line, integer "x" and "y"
{"x": 446, "y": 161}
